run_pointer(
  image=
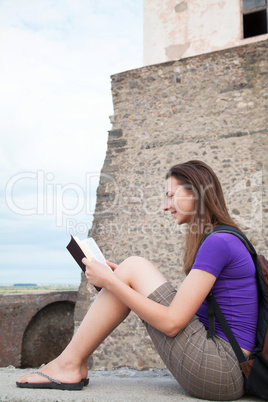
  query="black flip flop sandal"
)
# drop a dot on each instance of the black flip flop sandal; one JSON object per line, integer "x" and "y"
{"x": 54, "y": 384}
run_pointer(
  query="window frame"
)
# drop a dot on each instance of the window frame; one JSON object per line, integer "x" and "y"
{"x": 252, "y": 11}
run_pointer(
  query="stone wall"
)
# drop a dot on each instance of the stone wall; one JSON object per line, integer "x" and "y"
{"x": 35, "y": 327}
{"x": 211, "y": 107}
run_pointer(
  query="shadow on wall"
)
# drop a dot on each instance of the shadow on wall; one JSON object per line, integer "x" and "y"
{"x": 47, "y": 334}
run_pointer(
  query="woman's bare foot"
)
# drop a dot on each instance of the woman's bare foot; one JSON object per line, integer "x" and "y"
{"x": 59, "y": 370}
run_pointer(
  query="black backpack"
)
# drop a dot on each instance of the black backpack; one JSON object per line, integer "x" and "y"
{"x": 255, "y": 370}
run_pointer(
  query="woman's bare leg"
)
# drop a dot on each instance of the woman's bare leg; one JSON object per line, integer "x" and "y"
{"x": 104, "y": 315}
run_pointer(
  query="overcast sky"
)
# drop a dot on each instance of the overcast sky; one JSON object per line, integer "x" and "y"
{"x": 56, "y": 61}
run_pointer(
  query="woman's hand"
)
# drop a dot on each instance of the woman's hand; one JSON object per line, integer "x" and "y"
{"x": 112, "y": 265}
{"x": 97, "y": 274}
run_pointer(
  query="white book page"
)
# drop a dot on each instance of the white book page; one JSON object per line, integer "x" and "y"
{"x": 94, "y": 250}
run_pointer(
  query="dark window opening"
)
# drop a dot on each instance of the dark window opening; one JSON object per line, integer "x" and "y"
{"x": 255, "y": 23}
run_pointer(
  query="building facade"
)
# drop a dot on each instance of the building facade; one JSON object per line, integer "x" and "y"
{"x": 178, "y": 29}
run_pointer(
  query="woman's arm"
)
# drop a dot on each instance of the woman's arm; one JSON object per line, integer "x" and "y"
{"x": 169, "y": 320}
{"x": 174, "y": 318}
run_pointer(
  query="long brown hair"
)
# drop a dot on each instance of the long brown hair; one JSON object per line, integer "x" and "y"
{"x": 209, "y": 205}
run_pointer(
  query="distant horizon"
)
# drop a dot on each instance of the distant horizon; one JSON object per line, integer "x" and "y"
{"x": 39, "y": 284}
{"x": 66, "y": 273}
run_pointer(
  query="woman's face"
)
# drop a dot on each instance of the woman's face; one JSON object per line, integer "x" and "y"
{"x": 179, "y": 201}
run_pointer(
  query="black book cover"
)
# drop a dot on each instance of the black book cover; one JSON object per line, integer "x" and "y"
{"x": 78, "y": 255}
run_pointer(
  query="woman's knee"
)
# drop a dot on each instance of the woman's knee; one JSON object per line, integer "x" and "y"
{"x": 135, "y": 261}
{"x": 140, "y": 274}
{"x": 127, "y": 268}
{"x": 132, "y": 263}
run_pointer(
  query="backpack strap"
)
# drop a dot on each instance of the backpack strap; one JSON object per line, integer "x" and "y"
{"x": 212, "y": 305}
{"x": 211, "y": 315}
{"x": 234, "y": 231}
{"x": 214, "y": 309}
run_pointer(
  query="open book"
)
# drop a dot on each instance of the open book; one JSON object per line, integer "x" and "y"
{"x": 85, "y": 248}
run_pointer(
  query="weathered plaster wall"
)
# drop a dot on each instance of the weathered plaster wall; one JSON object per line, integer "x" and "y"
{"x": 35, "y": 327}
{"x": 211, "y": 107}
{"x": 178, "y": 29}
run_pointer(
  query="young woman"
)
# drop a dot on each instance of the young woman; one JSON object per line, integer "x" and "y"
{"x": 176, "y": 320}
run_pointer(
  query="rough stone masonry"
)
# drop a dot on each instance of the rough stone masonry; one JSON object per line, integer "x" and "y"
{"x": 211, "y": 107}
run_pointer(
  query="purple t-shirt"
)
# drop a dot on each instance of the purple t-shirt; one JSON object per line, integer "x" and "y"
{"x": 235, "y": 289}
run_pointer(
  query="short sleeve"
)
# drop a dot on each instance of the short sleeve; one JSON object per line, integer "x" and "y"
{"x": 213, "y": 255}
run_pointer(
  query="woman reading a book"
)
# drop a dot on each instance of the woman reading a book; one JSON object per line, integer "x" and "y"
{"x": 176, "y": 320}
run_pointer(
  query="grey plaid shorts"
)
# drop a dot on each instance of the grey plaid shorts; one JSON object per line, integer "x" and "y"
{"x": 205, "y": 368}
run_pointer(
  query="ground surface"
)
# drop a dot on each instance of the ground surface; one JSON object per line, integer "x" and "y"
{"x": 123, "y": 384}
